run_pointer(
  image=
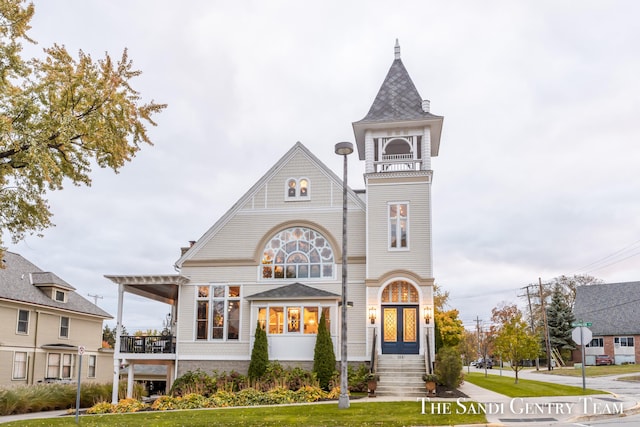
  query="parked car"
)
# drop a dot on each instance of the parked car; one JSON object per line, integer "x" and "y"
{"x": 480, "y": 363}
{"x": 604, "y": 359}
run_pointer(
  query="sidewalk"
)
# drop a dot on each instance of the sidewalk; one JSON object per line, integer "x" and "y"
{"x": 542, "y": 411}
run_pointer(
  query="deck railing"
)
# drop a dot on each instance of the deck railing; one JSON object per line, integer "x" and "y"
{"x": 147, "y": 344}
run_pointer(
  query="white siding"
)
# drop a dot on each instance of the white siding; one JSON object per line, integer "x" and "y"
{"x": 417, "y": 258}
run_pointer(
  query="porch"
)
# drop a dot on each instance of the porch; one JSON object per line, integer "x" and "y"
{"x": 132, "y": 350}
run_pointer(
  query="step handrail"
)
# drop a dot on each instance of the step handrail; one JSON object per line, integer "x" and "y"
{"x": 427, "y": 354}
{"x": 373, "y": 366}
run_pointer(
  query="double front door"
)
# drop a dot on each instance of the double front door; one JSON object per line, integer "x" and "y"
{"x": 400, "y": 329}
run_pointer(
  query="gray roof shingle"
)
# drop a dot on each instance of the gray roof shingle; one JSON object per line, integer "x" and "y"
{"x": 612, "y": 308}
{"x": 398, "y": 99}
{"x": 293, "y": 291}
{"x": 19, "y": 280}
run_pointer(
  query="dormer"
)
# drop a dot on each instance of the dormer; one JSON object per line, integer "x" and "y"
{"x": 399, "y": 133}
{"x": 52, "y": 286}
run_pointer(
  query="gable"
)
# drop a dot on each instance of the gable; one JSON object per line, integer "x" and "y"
{"x": 238, "y": 233}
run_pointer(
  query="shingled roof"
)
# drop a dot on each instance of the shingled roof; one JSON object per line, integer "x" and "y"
{"x": 20, "y": 281}
{"x": 398, "y": 103}
{"x": 398, "y": 99}
{"x": 293, "y": 291}
{"x": 612, "y": 308}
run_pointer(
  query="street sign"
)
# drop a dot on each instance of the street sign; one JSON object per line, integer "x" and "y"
{"x": 81, "y": 350}
{"x": 581, "y": 335}
{"x": 578, "y": 324}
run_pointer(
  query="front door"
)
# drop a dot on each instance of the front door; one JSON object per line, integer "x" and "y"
{"x": 399, "y": 329}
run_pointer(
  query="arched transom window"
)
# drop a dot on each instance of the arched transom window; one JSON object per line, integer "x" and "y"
{"x": 399, "y": 291}
{"x": 297, "y": 252}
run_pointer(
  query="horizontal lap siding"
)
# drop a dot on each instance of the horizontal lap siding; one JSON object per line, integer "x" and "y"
{"x": 233, "y": 254}
{"x": 417, "y": 258}
{"x": 239, "y": 236}
{"x": 9, "y": 320}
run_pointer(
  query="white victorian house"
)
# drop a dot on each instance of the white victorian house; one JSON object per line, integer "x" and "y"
{"x": 274, "y": 258}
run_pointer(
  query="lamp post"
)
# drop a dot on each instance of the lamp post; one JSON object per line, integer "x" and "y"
{"x": 344, "y": 149}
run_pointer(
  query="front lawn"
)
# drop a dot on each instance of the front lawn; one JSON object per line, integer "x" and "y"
{"x": 594, "y": 371}
{"x": 326, "y": 414}
{"x": 525, "y": 388}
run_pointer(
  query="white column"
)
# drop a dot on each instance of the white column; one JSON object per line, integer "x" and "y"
{"x": 170, "y": 376}
{"x": 369, "y": 152}
{"x": 426, "y": 149}
{"x": 130, "y": 381}
{"x": 117, "y": 358}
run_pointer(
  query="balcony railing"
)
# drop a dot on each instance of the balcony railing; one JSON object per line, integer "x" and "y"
{"x": 397, "y": 163}
{"x": 148, "y": 344}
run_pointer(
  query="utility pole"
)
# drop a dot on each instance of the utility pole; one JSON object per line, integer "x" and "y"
{"x": 478, "y": 333}
{"x": 532, "y": 321}
{"x": 546, "y": 326}
{"x": 95, "y": 298}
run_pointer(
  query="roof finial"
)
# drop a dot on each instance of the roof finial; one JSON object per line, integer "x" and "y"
{"x": 396, "y": 50}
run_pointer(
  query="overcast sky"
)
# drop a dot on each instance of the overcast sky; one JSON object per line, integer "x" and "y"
{"x": 538, "y": 168}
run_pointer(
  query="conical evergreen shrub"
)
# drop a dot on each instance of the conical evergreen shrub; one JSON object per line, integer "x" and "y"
{"x": 259, "y": 354}
{"x": 324, "y": 359}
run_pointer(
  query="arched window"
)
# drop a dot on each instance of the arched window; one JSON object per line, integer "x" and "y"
{"x": 397, "y": 146}
{"x": 297, "y": 252}
{"x": 291, "y": 188}
{"x": 297, "y": 189}
{"x": 399, "y": 292}
{"x": 304, "y": 186}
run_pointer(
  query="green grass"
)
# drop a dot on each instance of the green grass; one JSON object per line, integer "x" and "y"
{"x": 359, "y": 414}
{"x": 594, "y": 371}
{"x": 525, "y": 388}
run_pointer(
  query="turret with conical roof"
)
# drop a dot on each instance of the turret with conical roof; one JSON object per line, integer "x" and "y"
{"x": 397, "y": 139}
{"x": 398, "y": 110}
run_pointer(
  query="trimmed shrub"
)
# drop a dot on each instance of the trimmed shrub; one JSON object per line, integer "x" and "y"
{"x": 324, "y": 359}
{"x": 102, "y": 408}
{"x": 358, "y": 378}
{"x": 259, "y": 354}
{"x": 194, "y": 382}
{"x": 233, "y": 381}
{"x": 449, "y": 367}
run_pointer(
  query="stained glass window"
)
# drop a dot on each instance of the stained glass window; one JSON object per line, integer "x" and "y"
{"x": 297, "y": 252}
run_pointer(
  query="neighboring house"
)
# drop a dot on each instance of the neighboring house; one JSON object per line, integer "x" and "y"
{"x": 44, "y": 322}
{"x": 274, "y": 259}
{"x": 614, "y": 312}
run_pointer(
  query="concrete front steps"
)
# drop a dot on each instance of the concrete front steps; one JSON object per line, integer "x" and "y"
{"x": 401, "y": 375}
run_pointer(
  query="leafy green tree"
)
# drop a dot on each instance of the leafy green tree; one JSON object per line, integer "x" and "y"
{"x": 515, "y": 342}
{"x": 559, "y": 318}
{"x": 259, "y": 354}
{"x": 109, "y": 335}
{"x": 468, "y": 346}
{"x": 59, "y": 116}
{"x": 324, "y": 359}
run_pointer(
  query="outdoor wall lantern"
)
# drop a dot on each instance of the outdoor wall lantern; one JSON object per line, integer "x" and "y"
{"x": 372, "y": 314}
{"x": 427, "y": 314}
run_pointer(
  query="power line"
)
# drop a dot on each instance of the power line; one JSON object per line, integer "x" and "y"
{"x": 619, "y": 252}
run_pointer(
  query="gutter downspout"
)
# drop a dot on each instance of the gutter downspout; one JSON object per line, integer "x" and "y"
{"x": 35, "y": 348}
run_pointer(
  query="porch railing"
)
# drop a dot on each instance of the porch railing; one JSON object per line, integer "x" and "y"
{"x": 147, "y": 344}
